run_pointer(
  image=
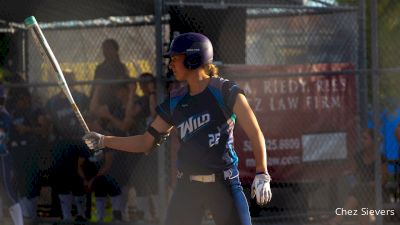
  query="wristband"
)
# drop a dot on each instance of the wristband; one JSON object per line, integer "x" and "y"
{"x": 265, "y": 173}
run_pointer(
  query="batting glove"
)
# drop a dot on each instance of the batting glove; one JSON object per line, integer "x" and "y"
{"x": 261, "y": 188}
{"x": 94, "y": 141}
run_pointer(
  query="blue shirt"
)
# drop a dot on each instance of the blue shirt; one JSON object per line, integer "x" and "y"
{"x": 205, "y": 125}
{"x": 389, "y": 121}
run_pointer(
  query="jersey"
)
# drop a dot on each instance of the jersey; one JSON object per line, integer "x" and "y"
{"x": 29, "y": 118}
{"x": 204, "y": 124}
{"x": 5, "y": 126}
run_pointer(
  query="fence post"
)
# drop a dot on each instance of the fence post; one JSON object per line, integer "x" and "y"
{"x": 24, "y": 54}
{"x": 362, "y": 65}
{"x": 376, "y": 106}
{"x": 162, "y": 176}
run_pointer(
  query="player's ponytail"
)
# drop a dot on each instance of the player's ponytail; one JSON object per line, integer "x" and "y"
{"x": 211, "y": 69}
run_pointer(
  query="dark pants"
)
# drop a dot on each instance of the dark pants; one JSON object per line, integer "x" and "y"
{"x": 64, "y": 174}
{"x": 104, "y": 185}
{"x": 27, "y": 170}
{"x": 224, "y": 198}
{"x": 66, "y": 182}
{"x": 6, "y": 174}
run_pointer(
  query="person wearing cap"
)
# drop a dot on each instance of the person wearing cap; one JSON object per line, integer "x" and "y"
{"x": 204, "y": 113}
{"x": 66, "y": 179}
{"x": 7, "y": 168}
{"x": 29, "y": 131}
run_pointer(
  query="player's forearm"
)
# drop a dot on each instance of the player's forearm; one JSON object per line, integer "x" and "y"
{"x": 81, "y": 162}
{"x": 94, "y": 103}
{"x": 103, "y": 170}
{"x": 259, "y": 151}
{"x": 80, "y": 172}
{"x": 137, "y": 143}
{"x": 153, "y": 105}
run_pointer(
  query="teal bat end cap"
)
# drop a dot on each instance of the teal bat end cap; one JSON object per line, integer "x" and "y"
{"x": 30, "y": 21}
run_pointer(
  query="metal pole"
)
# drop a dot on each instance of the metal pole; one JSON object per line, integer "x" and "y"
{"x": 24, "y": 55}
{"x": 162, "y": 174}
{"x": 376, "y": 108}
{"x": 362, "y": 65}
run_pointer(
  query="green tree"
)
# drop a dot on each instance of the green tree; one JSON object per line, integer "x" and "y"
{"x": 389, "y": 50}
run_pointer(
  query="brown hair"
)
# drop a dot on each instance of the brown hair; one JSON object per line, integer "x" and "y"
{"x": 147, "y": 77}
{"x": 211, "y": 69}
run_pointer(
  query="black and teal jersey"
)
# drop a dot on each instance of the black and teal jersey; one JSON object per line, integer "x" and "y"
{"x": 5, "y": 126}
{"x": 204, "y": 124}
{"x": 5, "y": 120}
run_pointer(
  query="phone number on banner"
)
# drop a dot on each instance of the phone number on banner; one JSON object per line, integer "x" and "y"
{"x": 282, "y": 144}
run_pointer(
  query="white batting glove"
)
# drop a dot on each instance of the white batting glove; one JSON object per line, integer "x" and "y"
{"x": 94, "y": 141}
{"x": 261, "y": 188}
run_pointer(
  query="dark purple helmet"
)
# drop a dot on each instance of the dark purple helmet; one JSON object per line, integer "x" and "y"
{"x": 197, "y": 48}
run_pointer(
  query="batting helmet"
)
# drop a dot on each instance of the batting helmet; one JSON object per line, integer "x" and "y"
{"x": 197, "y": 48}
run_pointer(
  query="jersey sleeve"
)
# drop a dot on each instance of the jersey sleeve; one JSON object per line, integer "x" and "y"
{"x": 5, "y": 121}
{"x": 230, "y": 91}
{"x": 163, "y": 110}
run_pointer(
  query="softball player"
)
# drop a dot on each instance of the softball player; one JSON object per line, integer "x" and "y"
{"x": 204, "y": 113}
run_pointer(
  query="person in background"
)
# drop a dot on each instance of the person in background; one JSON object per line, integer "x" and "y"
{"x": 7, "y": 168}
{"x": 30, "y": 128}
{"x": 104, "y": 98}
{"x": 68, "y": 146}
{"x": 110, "y": 69}
{"x": 362, "y": 193}
{"x": 146, "y": 168}
{"x": 397, "y": 136}
{"x": 122, "y": 120}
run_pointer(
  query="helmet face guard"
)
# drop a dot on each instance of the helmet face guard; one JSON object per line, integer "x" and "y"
{"x": 196, "y": 47}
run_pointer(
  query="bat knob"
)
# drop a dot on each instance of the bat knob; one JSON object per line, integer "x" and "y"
{"x": 97, "y": 152}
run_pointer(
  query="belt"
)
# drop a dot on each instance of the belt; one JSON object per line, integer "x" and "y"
{"x": 203, "y": 178}
{"x": 210, "y": 178}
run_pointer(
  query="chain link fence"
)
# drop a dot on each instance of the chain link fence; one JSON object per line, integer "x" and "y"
{"x": 386, "y": 99}
{"x": 298, "y": 68}
{"x": 121, "y": 60}
{"x": 303, "y": 67}
{"x": 83, "y": 52}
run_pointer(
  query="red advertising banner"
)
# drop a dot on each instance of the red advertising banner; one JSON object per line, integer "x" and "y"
{"x": 309, "y": 122}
